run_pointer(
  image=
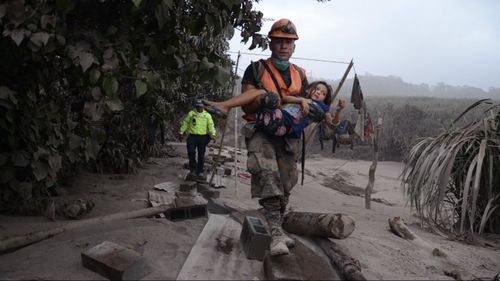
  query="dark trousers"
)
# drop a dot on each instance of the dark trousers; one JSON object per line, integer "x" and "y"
{"x": 197, "y": 142}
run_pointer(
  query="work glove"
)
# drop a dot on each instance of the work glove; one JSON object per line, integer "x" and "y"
{"x": 315, "y": 112}
{"x": 269, "y": 100}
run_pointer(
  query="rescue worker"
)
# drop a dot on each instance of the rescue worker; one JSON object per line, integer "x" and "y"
{"x": 199, "y": 126}
{"x": 272, "y": 161}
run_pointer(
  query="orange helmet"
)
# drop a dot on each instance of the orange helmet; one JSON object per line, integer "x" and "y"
{"x": 283, "y": 28}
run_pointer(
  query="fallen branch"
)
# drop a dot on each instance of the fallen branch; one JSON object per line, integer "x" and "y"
{"x": 399, "y": 228}
{"x": 32, "y": 237}
{"x": 348, "y": 267}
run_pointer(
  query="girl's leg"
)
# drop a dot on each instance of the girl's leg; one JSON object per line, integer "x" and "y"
{"x": 244, "y": 99}
{"x": 272, "y": 122}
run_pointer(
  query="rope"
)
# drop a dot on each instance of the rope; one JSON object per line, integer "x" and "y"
{"x": 296, "y": 58}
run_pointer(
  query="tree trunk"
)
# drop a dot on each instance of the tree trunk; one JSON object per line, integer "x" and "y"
{"x": 26, "y": 239}
{"x": 348, "y": 267}
{"x": 373, "y": 166}
{"x": 337, "y": 226}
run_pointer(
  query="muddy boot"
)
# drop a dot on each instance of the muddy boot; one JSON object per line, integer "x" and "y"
{"x": 290, "y": 243}
{"x": 278, "y": 243}
{"x": 278, "y": 239}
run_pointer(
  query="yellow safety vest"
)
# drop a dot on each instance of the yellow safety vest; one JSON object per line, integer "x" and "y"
{"x": 197, "y": 123}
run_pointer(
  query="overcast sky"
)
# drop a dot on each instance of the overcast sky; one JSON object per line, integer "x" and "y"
{"x": 422, "y": 41}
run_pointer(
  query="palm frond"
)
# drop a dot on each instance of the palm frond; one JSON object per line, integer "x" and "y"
{"x": 456, "y": 170}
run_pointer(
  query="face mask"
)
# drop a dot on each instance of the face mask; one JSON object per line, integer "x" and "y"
{"x": 281, "y": 64}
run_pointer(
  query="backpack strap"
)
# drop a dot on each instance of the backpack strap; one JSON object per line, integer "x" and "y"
{"x": 268, "y": 69}
{"x": 258, "y": 71}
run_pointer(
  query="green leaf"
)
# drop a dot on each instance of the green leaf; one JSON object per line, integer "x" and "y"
{"x": 222, "y": 76}
{"x": 17, "y": 36}
{"x": 40, "y": 153}
{"x": 115, "y": 105}
{"x": 5, "y": 92}
{"x": 74, "y": 141}
{"x": 40, "y": 39}
{"x": 169, "y": 3}
{"x": 46, "y": 20}
{"x": 179, "y": 61}
{"x": 61, "y": 39}
{"x": 71, "y": 156}
{"x": 110, "y": 85}
{"x": 140, "y": 88}
{"x": 2, "y": 11}
{"x": 40, "y": 170}
{"x": 137, "y": 3}
{"x": 229, "y": 30}
{"x": 20, "y": 158}
{"x": 205, "y": 64}
{"x": 94, "y": 75}
{"x": 96, "y": 93}
{"x": 86, "y": 60}
{"x": 55, "y": 162}
{"x": 108, "y": 54}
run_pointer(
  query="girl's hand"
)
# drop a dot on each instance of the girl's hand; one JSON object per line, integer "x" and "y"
{"x": 342, "y": 104}
{"x": 329, "y": 121}
{"x": 305, "y": 105}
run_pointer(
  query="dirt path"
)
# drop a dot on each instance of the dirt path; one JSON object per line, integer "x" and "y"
{"x": 168, "y": 244}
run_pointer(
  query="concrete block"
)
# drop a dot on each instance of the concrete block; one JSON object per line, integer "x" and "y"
{"x": 191, "y": 193}
{"x": 177, "y": 214}
{"x": 255, "y": 238}
{"x": 284, "y": 267}
{"x": 188, "y": 186}
{"x": 207, "y": 191}
{"x": 115, "y": 262}
{"x": 216, "y": 206}
{"x": 183, "y": 213}
{"x": 188, "y": 201}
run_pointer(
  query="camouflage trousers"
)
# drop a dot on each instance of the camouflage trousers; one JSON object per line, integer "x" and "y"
{"x": 272, "y": 162}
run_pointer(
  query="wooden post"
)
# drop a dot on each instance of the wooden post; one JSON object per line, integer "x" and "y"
{"x": 373, "y": 166}
{"x": 23, "y": 240}
{"x": 216, "y": 161}
{"x": 337, "y": 226}
{"x": 337, "y": 90}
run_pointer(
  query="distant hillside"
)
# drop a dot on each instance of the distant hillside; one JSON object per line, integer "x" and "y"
{"x": 377, "y": 86}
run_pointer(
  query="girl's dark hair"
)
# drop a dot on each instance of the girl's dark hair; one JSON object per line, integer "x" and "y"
{"x": 329, "y": 91}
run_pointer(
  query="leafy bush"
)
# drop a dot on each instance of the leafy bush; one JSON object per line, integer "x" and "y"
{"x": 81, "y": 79}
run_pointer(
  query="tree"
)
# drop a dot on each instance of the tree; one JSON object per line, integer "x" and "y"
{"x": 79, "y": 80}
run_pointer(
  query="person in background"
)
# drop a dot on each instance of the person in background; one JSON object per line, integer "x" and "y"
{"x": 199, "y": 127}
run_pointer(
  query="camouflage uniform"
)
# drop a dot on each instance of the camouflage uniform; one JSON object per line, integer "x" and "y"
{"x": 273, "y": 165}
